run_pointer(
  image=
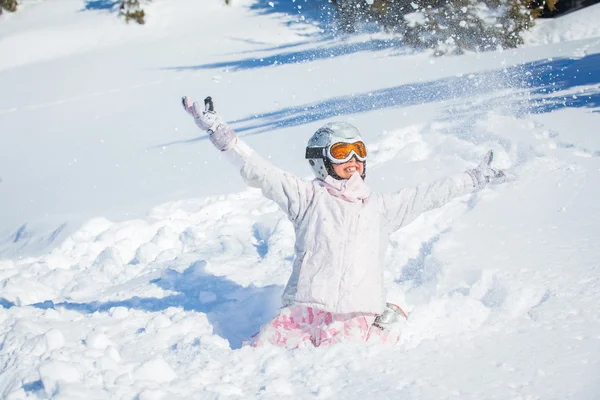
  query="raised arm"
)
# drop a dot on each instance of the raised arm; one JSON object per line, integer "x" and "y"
{"x": 403, "y": 207}
{"x": 289, "y": 192}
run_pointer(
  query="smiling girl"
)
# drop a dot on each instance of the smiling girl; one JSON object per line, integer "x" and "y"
{"x": 335, "y": 291}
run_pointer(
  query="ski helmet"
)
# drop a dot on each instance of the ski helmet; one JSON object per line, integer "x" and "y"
{"x": 319, "y": 144}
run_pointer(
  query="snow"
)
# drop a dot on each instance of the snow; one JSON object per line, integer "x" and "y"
{"x": 134, "y": 261}
{"x": 570, "y": 27}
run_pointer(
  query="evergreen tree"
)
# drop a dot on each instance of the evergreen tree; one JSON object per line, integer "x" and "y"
{"x": 458, "y": 25}
{"x": 447, "y": 26}
{"x": 132, "y": 10}
{"x": 8, "y": 5}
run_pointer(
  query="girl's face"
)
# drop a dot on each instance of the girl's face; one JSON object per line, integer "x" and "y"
{"x": 347, "y": 169}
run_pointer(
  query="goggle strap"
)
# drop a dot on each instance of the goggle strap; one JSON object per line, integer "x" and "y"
{"x": 321, "y": 152}
{"x": 315, "y": 152}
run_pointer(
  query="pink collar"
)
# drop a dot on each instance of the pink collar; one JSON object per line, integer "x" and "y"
{"x": 353, "y": 190}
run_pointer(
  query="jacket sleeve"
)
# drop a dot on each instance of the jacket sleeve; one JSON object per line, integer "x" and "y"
{"x": 403, "y": 207}
{"x": 292, "y": 194}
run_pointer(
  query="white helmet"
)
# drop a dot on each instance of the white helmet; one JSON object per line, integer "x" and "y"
{"x": 317, "y": 149}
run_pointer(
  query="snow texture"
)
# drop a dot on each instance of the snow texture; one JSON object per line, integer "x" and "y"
{"x": 134, "y": 261}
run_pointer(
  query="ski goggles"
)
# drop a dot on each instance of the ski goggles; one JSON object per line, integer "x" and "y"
{"x": 339, "y": 152}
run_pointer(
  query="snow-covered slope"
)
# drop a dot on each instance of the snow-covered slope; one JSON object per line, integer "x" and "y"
{"x": 573, "y": 26}
{"x": 135, "y": 261}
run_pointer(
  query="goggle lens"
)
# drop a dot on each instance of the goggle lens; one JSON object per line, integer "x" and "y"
{"x": 342, "y": 151}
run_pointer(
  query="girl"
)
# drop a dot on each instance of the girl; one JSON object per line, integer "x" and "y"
{"x": 335, "y": 292}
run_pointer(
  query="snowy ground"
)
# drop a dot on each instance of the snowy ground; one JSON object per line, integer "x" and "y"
{"x": 101, "y": 298}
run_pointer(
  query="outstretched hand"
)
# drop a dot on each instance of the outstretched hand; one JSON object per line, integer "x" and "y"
{"x": 207, "y": 119}
{"x": 484, "y": 174}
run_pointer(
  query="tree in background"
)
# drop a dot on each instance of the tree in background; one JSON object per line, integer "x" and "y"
{"x": 559, "y": 7}
{"x": 8, "y": 5}
{"x": 132, "y": 10}
{"x": 447, "y": 26}
{"x": 459, "y": 25}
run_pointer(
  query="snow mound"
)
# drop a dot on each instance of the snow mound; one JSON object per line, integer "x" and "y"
{"x": 577, "y": 25}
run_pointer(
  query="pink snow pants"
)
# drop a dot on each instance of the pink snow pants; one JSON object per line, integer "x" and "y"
{"x": 298, "y": 325}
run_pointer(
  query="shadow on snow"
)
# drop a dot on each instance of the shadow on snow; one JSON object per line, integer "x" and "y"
{"x": 296, "y": 56}
{"x": 100, "y": 4}
{"x": 311, "y": 12}
{"x": 421, "y": 269}
{"x": 5, "y": 303}
{"x": 539, "y": 86}
{"x": 558, "y": 75}
{"x": 25, "y": 239}
{"x": 520, "y": 90}
{"x": 236, "y": 312}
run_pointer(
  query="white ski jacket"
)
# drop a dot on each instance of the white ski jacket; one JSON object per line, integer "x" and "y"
{"x": 340, "y": 246}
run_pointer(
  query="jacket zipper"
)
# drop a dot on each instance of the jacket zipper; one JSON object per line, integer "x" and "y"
{"x": 344, "y": 267}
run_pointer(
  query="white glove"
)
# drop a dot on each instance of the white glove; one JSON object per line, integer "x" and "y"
{"x": 207, "y": 119}
{"x": 484, "y": 174}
